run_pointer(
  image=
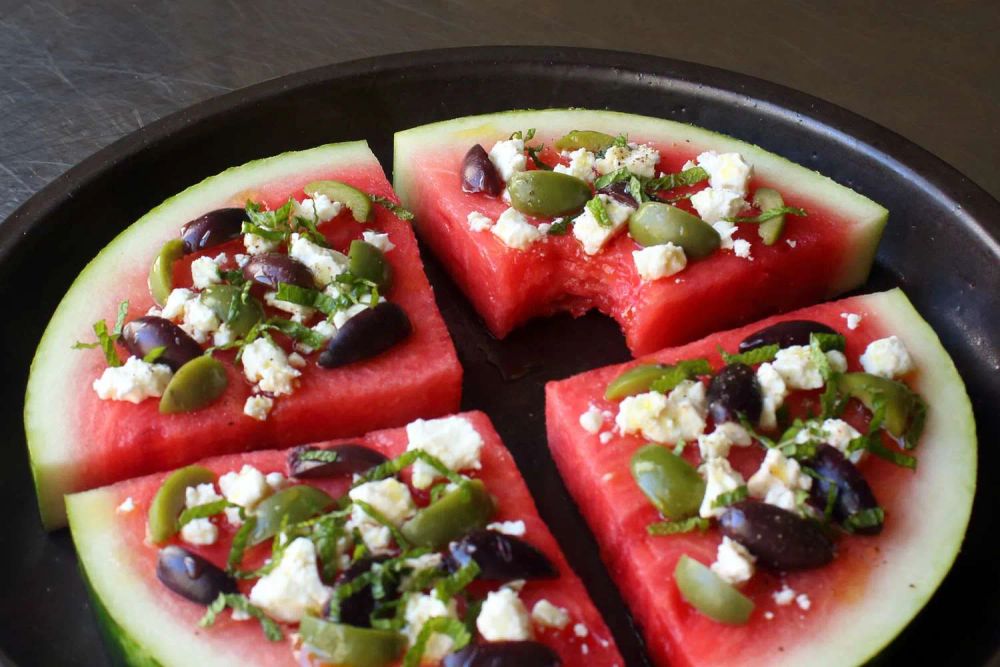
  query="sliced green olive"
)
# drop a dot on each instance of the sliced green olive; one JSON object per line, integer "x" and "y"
{"x": 708, "y": 593}
{"x": 465, "y": 508}
{"x": 161, "y": 273}
{"x": 368, "y": 262}
{"x": 766, "y": 199}
{"x": 547, "y": 193}
{"x": 226, "y": 301}
{"x": 356, "y": 200}
{"x": 170, "y": 498}
{"x": 636, "y": 380}
{"x": 195, "y": 384}
{"x": 592, "y": 140}
{"x": 656, "y": 223}
{"x": 903, "y": 408}
{"x": 297, "y": 503}
{"x": 351, "y": 646}
{"x": 672, "y": 484}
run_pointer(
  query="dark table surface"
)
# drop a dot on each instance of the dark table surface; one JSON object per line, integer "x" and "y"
{"x": 77, "y": 74}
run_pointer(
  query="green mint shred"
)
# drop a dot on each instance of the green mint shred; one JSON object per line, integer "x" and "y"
{"x": 769, "y": 214}
{"x": 239, "y": 545}
{"x": 453, "y": 584}
{"x": 106, "y": 339}
{"x": 460, "y": 637}
{"x": 868, "y": 518}
{"x": 321, "y": 455}
{"x": 622, "y": 174}
{"x": 691, "y": 176}
{"x": 675, "y": 527}
{"x": 240, "y": 603}
{"x": 560, "y": 227}
{"x": 600, "y": 212}
{"x": 204, "y": 511}
{"x": 758, "y": 355}
{"x": 679, "y": 372}
{"x": 154, "y": 354}
{"x": 399, "y": 211}
{"x": 730, "y": 497}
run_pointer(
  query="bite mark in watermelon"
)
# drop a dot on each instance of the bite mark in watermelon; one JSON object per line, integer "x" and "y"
{"x": 147, "y": 622}
{"x": 78, "y": 441}
{"x": 833, "y": 246}
{"x": 875, "y": 585}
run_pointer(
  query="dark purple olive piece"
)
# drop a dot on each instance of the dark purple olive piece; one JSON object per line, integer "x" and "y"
{"x": 350, "y": 459}
{"x": 504, "y": 654}
{"x": 853, "y": 493}
{"x": 144, "y": 334}
{"x": 500, "y": 557}
{"x": 620, "y": 193}
{"x": 357, "y": 609}
{"x": 272, "y": 268}
{"x": 191, "y": 576}
{"x": 367, "y": 334}
{"x": 213, "y": 228}
{"x": 734, "y": 390}
{"x": 785, "y": 334}
{"x": 479, "y": 174}
{"x": 780, "y": 539}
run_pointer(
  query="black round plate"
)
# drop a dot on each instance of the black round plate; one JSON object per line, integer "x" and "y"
{"x": 941, "y": 246}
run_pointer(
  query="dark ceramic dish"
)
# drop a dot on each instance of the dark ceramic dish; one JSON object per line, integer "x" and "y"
{"x": 942, "y": 246}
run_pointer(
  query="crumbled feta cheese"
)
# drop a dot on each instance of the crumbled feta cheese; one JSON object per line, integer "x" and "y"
{"x": 725, "y": 229}
{"x": 592, "y": 420}
{"x": 797, "y": 367}
{"x": 677, "y": 416}
{"x": 718, "y": 443}
{"x": 324, "y": 263}
{"x": 544, "y": 227}
{"x": 605, "y": 437}
{"x": 380, "y": 241}
{"x": 741, "y": 249}
{"x": 548, "y": 615}
{"x": 713, "y": 204}
{"x": 246, "y": 487}
{"x": 223, "y": 336}
{"x": 733, "y": 563}
{"x": 200, "y": 532}
{"x": 267, "y": 365}
{"x": 135, "y": 381}
{"x": 778, "y": 479}
{"x": 803, "y": 601}
{"x": 514, "y": 230}
{"x": 200, "y": 494}
{"x": 275, "y": 480}
{"x": 839, "y": 434}
{"x": 297, "y": 360}
{"x": 853, "y": 320}
{"x": 503, "y": 617}
{"x": 452, "y": 440}
{"x": 773, "y": 392}
{"x": 887, "y": 357}
{"x": 293, "y": 588}
{"x": 791, "y": 243}
{"x": 508, "y": 157}
{"x": 726, "y": 171}
{"x": 258, "y": 245}
{"x": 299, "y": 313}
{"x": 719, "y": 478}
{"x": 514, "y": 528}
{"x": 154, "y": 312}
{"x": 784, "y": 597}
{"x": 769, "y": 615}
{"x": 580, "y": 630}
{"x": 176, "y": 303}
{"x": 581, "y": 165}
{"x": 640, "y": 159}
{"x": 205, "y": 272}
{"x": 241, "y": 260}
{"x": 341, "y": 317}
{"x": 390, "y": 498}
{"x": 659, "y": 261}
{"x": 234, "y": 516}
{"x": 421, "y": 608}
{"x": 126, "y": 506}
{"x": 319, "y": 208}
{"x": 589, "y": 232}
{"x": 199, "y": 320}
{"x": 838, "y": 362}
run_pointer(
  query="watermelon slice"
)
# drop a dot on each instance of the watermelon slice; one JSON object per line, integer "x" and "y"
{"x": 149, "y": 624}
{"x": 875, "y": 585}
{"x": 78, "y": 441}
{"x": 818, "y": 256}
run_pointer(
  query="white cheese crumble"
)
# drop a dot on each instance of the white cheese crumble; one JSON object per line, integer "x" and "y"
{"x": 513, "y": 528}
{"x": 726, "y": 171}
{"x": 592, "y": 420}
{"x": 342, "y": 317}
{"x": 379, "y": 240}
{"x": 275, "y": 480}
{"x": 784, "y": 597}
{"x": 452, "y": 440}
{"x": 508, "y": 157}
{"x": 176, "y": 303}
{"x": 200, "y": 532}
{"x": 246, "y": 487}
{"x": 318, "y": 208}
{"x": 581, "y": 165}
{"x": 725, "y": 229}
{"x": 719, "y": 478}
{"x": 127, "y": 505}
{"x": 293, "y": 588}
{"x": 258, "y": 245}
{"x": 390, "y": 498}
{"x": 677, "y": 416}
{"x": 199, "y": 320}
{"x": 589, "y": 232}
{"x": 741, "y": 248}
{"x": 299, "y": 313}
{"x": 135, "y": 381}
{"x": 718, "y": 443}
{"x": 580, "y": 630}
{"x": 798, "y": 369}
{"x": 834, "y": 432}
{"x": 200, "y": 494}
{"x": 733, "y": 563}
{"x": 838, "y": 362}
{"x": 887, "y": 357}
{"x": 659, "y": 261}
{"x": 639, "y": 159}
{"x": 223, "y": 336}
{"x": 773, "y": 392}
{"x": 514, "y": 230}
{"x": 853, "y": 320}
{"x": 503, "y": 617}
{"x": 324, "y": 263}
{"x": 267, "y": 365}
{"x": 205, "y": 272}
{"x": 421, "y": 608}
{"x": 714, "y": 204}
{"x": 778, "y": 479}
{"x": 803, "y": 601}
{"x": 548, "y": 615}
{"x": 606, "y": 437}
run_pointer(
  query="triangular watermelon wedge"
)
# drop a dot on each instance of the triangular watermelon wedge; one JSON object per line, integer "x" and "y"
{"x": 78, "y": 441}
{"x": 150, "y": 624}
{"x": 816, "y": 257}
{"x": 850, "y": 608}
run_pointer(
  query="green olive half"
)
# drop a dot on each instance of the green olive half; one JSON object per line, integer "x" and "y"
{"x": 357, "y": 201}
{"x": 636, "y": 380}
{"x": 465, "y": 508}
{"x": 655, "y": 223}
{"x": 592, "y": 140}
{"x": 672, "y": 484}
{"x": 351, "y": 646}
{"x": 226, "y": 301}
{"x": 161, "y": 273}
{"x": 368, "y": 262}
{"x": 708, "y": 593}
{"x": 902, "y": 405}
{"x": 298, "y": 503}
{"x": 766, "y": 199}
{"x": 170, "y": 499}
{"x": 195, "y": 384}
{"x": 547, "y": 193}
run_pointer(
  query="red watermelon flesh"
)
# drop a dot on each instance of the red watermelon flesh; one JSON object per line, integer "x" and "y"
{"x": 874, "y": 586}
{"x": 833, "y": 246}
{"x": 95, "y": 442}
{"x": 120, "y": 564}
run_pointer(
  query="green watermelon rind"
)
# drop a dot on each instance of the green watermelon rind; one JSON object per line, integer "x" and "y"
{"x": 870, "y": 218}
{"x": 123, "y": 650}
{"x": 47, "y": 412}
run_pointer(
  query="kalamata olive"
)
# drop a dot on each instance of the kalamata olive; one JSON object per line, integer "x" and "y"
{"x": 272, "y": 268}
{"x": 734, "y": 390}
{"x": 213, "y": 228}
{"x": 853, "y": 493}
{"x": 144, "y": 334}
{"x": 367, "y": 334}
{"x": 357, "y": 609}
{"x": 191, "y": 576}
{"x": 479, "y": 174}
{"x": 620, "y": 193}
{"x": 351, "y": 459}
{"x": 784, "y": 334}
{"x": 504, "y": 654}
{"x": 780, "y": 539}
{"x": 500, "y": 557}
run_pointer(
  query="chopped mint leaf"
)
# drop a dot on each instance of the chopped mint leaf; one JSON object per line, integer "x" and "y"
{"x": 679, "y": 447}
{"x": 677, "y": 373}
{"x": 321, "y": 455}
{"x": 239, "y": 546}
{"x": 296, "y": 331}
{"x": 154, "y": 354}
{"x": 758, "y": 355}
{"x": 460, "y": 637}
{"x": 918, "y": 416}
{"x": 240, "y": 603}
{"x": 769, "y": 214}
{"x": 600, "y": 213}
{"x": 560, "y": 227}
{"x": 397, "y": 535}
{"x": 828, "y": 341}
{"x": 690, "y": 176}
{"x": 203, "y": 511}
{"x": 394, "y": 208}
{"x": 869, "y": 518}
{"x": 120, "y": 320}
{"x": 675, "y": 527}
{"x": 621, "y": 141}
{"x": 447, "y": 588}
{"x": 635, "y": 189}
{"x": 394, "y": 466}
{"x": 622, "y": 174}
{"x": 728, "y": 498}
{"x": 876, "y": 447}
{"x": 533, "y": 152}
{"x": 106, "y": 340}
